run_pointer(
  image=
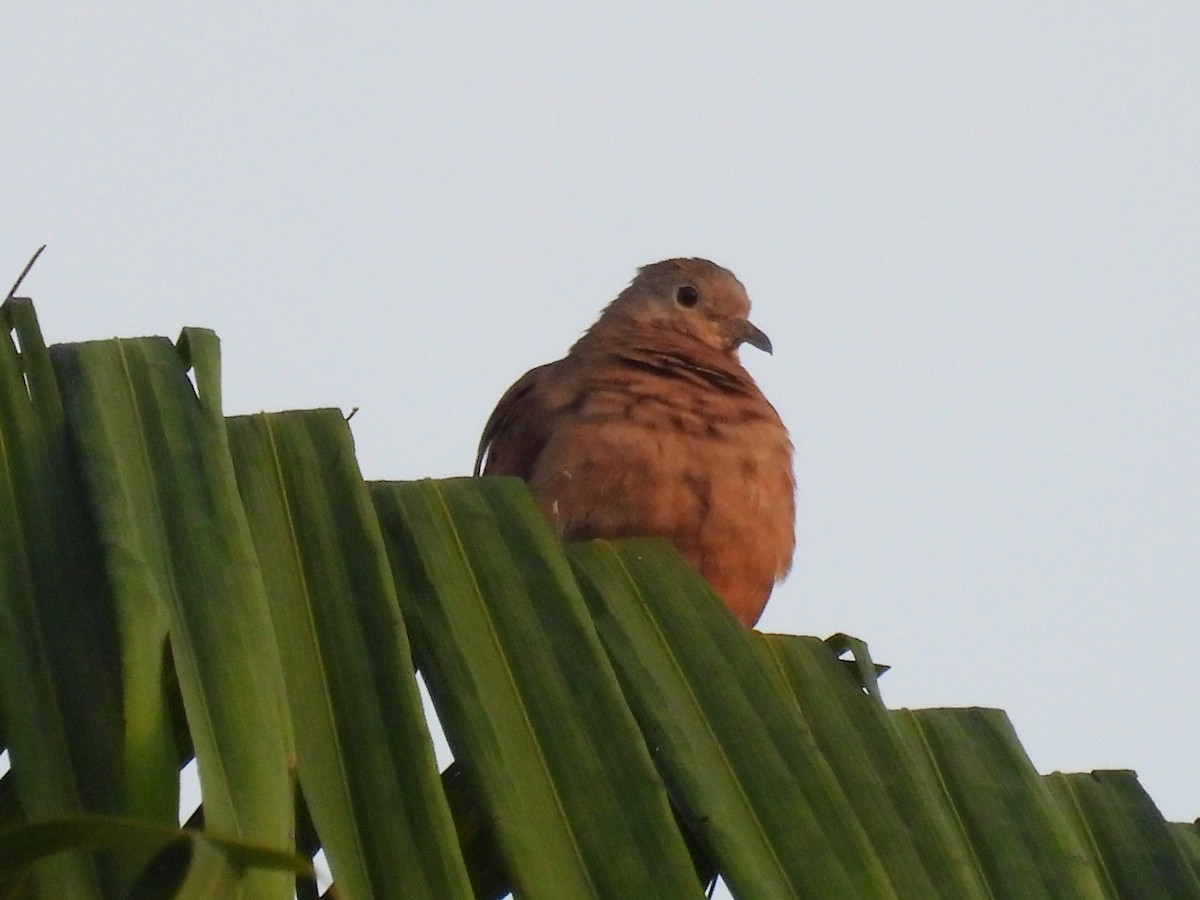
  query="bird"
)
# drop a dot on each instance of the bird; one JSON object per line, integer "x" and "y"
{"x": 651, "y": 427}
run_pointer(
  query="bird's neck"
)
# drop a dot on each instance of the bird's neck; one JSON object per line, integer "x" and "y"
{"x": 666, "y": 352}
{"x": 651, "y": 337}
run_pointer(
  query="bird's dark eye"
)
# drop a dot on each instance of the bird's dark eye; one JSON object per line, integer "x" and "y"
{"x": 687, "y": 296}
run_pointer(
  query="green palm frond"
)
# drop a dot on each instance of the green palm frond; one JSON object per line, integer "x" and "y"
{"x": 176, "y": 583}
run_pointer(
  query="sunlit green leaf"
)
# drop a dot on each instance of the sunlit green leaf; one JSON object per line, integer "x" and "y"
{"x": 364, "y": 754}
{"x": 529, "y": 701}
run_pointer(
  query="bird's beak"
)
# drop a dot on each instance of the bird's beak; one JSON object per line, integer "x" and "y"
{"x": 755, "y": 337}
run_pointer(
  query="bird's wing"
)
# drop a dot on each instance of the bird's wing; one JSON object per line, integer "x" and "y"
{"x": 517, "y": 429}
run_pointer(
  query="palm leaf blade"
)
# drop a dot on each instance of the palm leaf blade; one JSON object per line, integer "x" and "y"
{"x": 526, "y": 695}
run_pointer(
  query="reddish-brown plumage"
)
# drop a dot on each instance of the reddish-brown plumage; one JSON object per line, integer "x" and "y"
{"x": 650, "y": 426}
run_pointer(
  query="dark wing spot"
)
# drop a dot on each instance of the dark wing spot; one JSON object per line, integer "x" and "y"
{"x": 701, "y": 489}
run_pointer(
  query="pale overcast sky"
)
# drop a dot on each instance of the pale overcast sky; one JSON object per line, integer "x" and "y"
{"x": 972, "y": 232}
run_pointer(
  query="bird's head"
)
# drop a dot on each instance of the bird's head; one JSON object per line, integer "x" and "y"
{"x": 692, "y": 297}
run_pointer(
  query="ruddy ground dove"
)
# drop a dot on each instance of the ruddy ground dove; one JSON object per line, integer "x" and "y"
{"x": 650, "y": 426}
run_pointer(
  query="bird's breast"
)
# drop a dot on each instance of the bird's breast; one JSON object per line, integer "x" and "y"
{"x": 708, "y": 471}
